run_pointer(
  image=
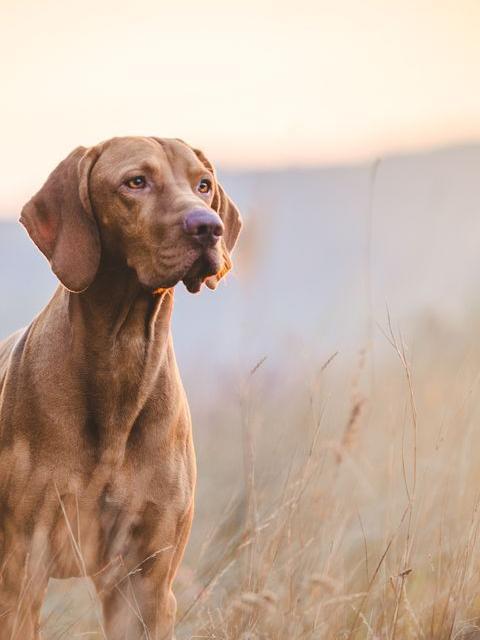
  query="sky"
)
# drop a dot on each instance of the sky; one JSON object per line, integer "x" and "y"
{"x": 256, "y": 84}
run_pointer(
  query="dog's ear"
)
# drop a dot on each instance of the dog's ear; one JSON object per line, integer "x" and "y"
{"x": 60, "y": 220}
{"x": 231, "y": 219}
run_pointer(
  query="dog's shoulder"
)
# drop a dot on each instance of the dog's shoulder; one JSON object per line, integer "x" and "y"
{"x": 6, "y": 347}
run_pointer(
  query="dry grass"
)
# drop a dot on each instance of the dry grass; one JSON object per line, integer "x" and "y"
{"x": 343, "y": 502}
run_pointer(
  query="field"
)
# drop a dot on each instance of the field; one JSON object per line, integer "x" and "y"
{"x": 333, "y": 377}
{"x": 338, "y": 478}
{"x": 339, "y": 499}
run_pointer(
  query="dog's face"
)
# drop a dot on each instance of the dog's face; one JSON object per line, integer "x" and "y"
{"x": 153, "y": 204}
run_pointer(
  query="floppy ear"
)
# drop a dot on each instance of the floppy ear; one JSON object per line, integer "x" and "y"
{"x": 231, "y": 219}
{"x": 60, "y": 220}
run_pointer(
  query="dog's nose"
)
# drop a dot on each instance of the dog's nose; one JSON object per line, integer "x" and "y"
{"x": 203, "y": 225}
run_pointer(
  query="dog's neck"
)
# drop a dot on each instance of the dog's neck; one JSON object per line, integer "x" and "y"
{"x": 118, "y": 307}
{"x": 122, "y": 334}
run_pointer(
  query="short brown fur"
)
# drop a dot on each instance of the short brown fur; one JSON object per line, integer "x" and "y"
{"x": 97, "y": 466}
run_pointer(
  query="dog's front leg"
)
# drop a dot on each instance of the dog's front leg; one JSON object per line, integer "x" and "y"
{"x": 22, "y": 589}
{"x": 138, "y": 602}
{"x": 139, "y": 609}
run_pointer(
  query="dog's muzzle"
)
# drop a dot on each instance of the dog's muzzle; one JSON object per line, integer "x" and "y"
{"x": 204, "y": 226}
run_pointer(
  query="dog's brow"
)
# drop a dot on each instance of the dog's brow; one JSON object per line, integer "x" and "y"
{"x": 198, "y": 169}
{"x": 142, "y": 166}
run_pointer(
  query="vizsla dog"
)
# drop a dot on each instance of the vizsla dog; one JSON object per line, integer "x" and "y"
{"x": 97, "y": 466}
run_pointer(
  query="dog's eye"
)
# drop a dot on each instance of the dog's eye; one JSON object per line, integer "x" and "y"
{"x": 137, "y": 182}
{"x": 204, "y": 186}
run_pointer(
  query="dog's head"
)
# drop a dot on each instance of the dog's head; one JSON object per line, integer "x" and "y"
{"x": 150, "y": 203}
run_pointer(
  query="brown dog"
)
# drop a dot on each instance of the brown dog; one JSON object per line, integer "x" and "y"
{"x": 97, "y": 467}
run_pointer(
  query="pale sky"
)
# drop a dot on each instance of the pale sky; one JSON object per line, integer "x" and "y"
{"x": 254, "y": 83}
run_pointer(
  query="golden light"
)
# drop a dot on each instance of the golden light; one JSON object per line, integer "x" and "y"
{"x": 256, "y": 84}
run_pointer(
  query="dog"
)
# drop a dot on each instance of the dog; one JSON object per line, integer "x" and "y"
{"x": 97, "y": 464}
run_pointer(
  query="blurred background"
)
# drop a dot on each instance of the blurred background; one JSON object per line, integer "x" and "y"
{"x": 347, "y": 132}
{"x": 349, "y": 135}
